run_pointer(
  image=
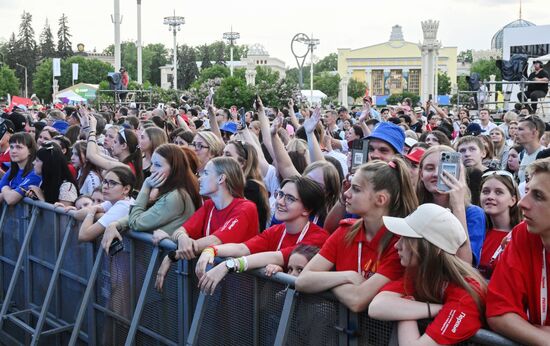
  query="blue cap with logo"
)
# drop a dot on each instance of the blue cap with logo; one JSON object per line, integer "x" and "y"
{"x": 391, "y": 134}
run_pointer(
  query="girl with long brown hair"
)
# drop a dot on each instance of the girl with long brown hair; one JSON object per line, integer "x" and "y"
{"x": 437, "y": 283}
{"x": 168, "y": 197}
{"x": 89, "y": 175}
{"x": 361, "y": 251}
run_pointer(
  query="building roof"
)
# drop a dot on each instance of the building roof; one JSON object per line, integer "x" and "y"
{"x": 496, "y": 41}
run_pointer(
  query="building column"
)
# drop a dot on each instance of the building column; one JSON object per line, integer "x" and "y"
{"x": 343, "y": 90}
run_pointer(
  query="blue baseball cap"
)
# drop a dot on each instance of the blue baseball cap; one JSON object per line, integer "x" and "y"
{"x": 229, "y": 127}
{"x": 391, "y": 134}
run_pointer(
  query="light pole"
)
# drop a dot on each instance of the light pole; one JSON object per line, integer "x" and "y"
{"x": 174, "y": 22}
{"x": 311, "y": 44}
{"x": 26, "y": 90}
{"x": 232, "y": 38}
{"x": 138, "y": 44}
{"x": 117, "y": 19}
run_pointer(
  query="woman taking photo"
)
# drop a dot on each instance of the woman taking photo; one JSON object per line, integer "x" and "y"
{"x": 117, "y": 185}
{"x": 15, "y": 183}
{"x": 499, "y": 200}
{"x": 297, "y": 200}
{"x": 437, "y": 283}
{"x": 166, "y": 200}
{"x": 89, "y": 176}
{"x": 150, "y": 139}
{"x": 58, "y": 184}
{"x": 226, "y": 217}
{"x": 359, "y": 258}
{"x": 457, "y": 198}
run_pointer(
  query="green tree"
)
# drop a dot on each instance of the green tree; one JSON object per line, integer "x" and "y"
{"x": 187, "y": 67}
{"x": 443, "y": 83}
{"x": 465, "y": 56}
{"x": 327, "y": 83}
{"x": 327, "y": 64}
{"x": 91, "y": 71}
{"x": 233, "y": 91}
{"x": 239, "y": 52}
{"x": 64, "y": 45}
{"x": 266, "y": 75}
{"x": 156, "y": 55}
{"x": 12, "y": 52}
{"x": 26, "y": 52}
{"x": 462, "y": 83}
{"x": 394, "y": 99}
{"x": 46, "y": 44}
{"x": 9, "y": 84}
{"x": 204, "y": 52}
{"x": 217, "y": 52}
{"x": 485, "y": 68}
{"x": 356, "y": 88}
{"x": 216, "y": 71}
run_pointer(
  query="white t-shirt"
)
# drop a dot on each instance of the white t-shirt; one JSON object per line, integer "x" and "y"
{"x": 526, "y": 161}
{"x": 342, "y": 158}
{"x": 115, "y": 212}
{"x": 90, "y": 183}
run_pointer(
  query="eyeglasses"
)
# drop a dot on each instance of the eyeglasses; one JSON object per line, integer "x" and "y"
{"x": 289, "y": 199}
{"x": 501, "y": 173}
{"x": 199, "y": 146}
{"x": 110, "y": 183}
{"x": 122, "y": 133}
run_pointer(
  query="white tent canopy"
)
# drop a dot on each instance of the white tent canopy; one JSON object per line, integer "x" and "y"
{"x": 318, "y": 96}
{"x": 71, "y": 96}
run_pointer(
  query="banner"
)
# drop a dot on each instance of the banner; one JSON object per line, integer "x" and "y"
{"x": 56, "y": 67}
{"x": 75, "y": 71}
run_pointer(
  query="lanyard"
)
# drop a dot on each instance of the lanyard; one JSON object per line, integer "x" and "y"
{"x": 209, "y": 219}
{"x": 543, "y": 291}
{"x": 300, "y": 238}
{"x": 359, "y": 254}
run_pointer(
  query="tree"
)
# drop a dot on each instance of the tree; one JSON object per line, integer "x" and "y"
{"x": 327, "y": 64}
{"x": 26, "y": 50}
{"x": 156, "y": 54}
{"x": 239, "y": 52}
{"x": 9, "y": 84}
{"x": 46, "y": 45}
{"x": 356, "y": 89}
{"x": 465, "y": 56}
{"x": 91, "y": 71}
{"x": 233, "y": 91}
{"x": 216, "y": 71}
{"x": 205, "y": 56}
{"x": 187, "y": 66}
{"x": 485, "y": 68}
{"x": 327, "y": 83}
{"x": 64, "y": 45}
{"x": 12, "y": 51}
{"x": 217, "y": 50}
{"x": 443, "y": 83}
{"x": 394, "y": 99}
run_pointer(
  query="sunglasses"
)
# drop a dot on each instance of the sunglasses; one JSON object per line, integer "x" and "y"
{"x": 500, "y": 173}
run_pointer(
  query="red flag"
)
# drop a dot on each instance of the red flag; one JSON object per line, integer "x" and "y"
{"x": 17, "y": 101}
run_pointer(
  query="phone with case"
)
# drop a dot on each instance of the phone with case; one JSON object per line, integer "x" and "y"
{"x": 449, "y": 162}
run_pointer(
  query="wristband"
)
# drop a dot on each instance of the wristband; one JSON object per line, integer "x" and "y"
{"x": 242, "y": 264}
{"x": 211, "y": 250}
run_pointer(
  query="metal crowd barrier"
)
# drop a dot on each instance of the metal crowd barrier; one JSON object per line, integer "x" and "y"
{"x": 57, "y": 291}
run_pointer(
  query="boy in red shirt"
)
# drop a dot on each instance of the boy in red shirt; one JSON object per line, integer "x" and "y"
{"x": 517, "y": 297}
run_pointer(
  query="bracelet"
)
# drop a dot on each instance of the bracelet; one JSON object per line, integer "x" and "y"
{"x": 429, "y": 310}
{"x": 242, "y": 264}
{"x": 92, "y": 140}
{"x": 211, "y": 250}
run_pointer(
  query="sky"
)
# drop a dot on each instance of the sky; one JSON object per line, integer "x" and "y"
{"x": 466, "y": 24}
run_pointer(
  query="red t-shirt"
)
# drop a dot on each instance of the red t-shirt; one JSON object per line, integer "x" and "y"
{"x": 269, "y": 239}
{"x": 233, "y": 224}
{"x": 515, "y": 284}
{"x": 493, "y": 239}
{"x": 5, "y": 158}
{"x": 345, "y": 256}
{"x": 458, "y": 320}
{"x": 73, "y": 171}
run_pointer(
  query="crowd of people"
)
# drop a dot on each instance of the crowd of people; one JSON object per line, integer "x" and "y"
{"x": 366, "y": 202}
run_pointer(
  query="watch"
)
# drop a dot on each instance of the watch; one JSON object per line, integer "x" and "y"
{"x": 230, "y": 265}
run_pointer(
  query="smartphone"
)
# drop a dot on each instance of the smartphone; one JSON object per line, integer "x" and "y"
{"x": 116, "y": 247}
{"x": 448, "y": 162}
{"x": 430, "y": 97}
{"x": 359, "y": 152}
{"x": 256, "y": 101}
{"x": 160, "y": 106}
{"x": 242, "y": 116}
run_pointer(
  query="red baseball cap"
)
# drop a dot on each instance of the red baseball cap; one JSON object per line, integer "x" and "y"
{"x": 415, "y": 155}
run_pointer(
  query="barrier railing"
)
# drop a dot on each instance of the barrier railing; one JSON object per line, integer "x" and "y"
{"x": 57, "y": 291}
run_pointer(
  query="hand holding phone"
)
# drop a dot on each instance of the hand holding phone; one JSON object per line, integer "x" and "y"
{"x": 449, "y": 162}
{"x": 116, "y": 247}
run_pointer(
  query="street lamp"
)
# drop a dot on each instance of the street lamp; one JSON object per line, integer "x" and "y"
{"x": 26, "y": 90}
{"x": 174, "y": 22}
{"x": 232, "y": 38}
{"x": 311, "y": 44}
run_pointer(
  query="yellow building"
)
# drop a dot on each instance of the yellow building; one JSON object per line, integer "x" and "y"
{"x": 394, "y": 66}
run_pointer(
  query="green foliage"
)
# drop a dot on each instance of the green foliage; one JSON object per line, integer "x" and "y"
{"x": 394, "y": 99}
{"x": 206, "y": 58}
{"x": 465, "y": 56}
{"x": 25, "y": 50}
{"x": 462, "y": 83}
{"x": 327, "y": 83}
{"x": 187, "y": 67}
{"x": 90, "y": 71}
{"x": 46, "y": 45}
{"x": 443, "y": 83}
{"x": 356, "y": 89}
{"x": 216, "y": 71}
{"x": 64, "y": 44}
{"x": 234, "y": 91}
{"x": 327, "y": 64}
{"x": 156, "y": 55}
{"x": 9, "y": 84}
{"x": 485, "y": 68}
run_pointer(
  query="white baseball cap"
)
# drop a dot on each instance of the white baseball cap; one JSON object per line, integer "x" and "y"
{"x": 434, "y": 223}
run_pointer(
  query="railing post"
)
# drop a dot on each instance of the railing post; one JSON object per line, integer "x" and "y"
{"x": 197, "y": 320}
{"x": 17, "y": 269}
{"x": 286, "y": 316}
{"x": 141, "y": 301}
